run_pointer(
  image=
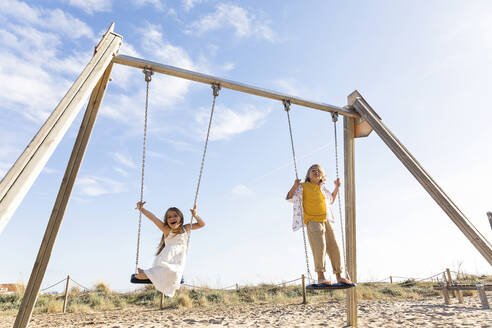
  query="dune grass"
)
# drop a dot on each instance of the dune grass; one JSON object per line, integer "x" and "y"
{"x": 101, "y": 298}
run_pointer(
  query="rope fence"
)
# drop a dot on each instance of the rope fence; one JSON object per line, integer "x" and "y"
{"x": 85, "y": 288}
{"x": 63, "y": 280}
{"x": 408, "y": 281}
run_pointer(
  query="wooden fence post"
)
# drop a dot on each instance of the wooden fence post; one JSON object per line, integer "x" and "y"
{"x": 162, "y": 297}
{"x": 445, "y": 292}
{"x": 483, "y": 296}
{"x": 304, "y": 301}
{"x": 237, "y": 286}
{"x": 458, "y": 293}
{"x": 391, "y": 279}
{"x": 65, "y": 299}
{"x": 450, "y": 281}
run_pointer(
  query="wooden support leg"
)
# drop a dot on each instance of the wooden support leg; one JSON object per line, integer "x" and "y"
{"x": 349, "y": 183}
{"x": 432, "y": 188}
{"x": 44, "y": 254}
{"x": 483, "y": 296}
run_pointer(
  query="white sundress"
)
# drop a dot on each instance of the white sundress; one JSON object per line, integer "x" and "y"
{"x": 168, "y": 267}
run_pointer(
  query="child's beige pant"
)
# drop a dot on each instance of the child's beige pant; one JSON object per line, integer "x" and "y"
{"x": 322, "y": 240}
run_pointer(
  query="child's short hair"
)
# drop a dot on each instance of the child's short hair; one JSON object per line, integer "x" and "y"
{"x": 323, "y": 176}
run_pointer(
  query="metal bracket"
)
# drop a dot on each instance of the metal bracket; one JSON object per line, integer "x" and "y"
{"x": 216, "y": 88}
{"x": 148, "y": 74}
{"x": 286, "y": 104}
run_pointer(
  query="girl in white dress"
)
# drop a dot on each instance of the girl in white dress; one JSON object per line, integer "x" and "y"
{"x": 168, "y": 267}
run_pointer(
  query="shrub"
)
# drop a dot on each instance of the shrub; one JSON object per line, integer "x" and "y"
{"x": 78, "y": 308}
{"x": 53, "y": 306}
{"x": 95, "y": 300}
{"x": 391, "y": 291}
{"x": 215, "y": 298}
{"x": 74, "y": 291}
{"x": 102, "y": 288}
{"x": 184, "y": 301}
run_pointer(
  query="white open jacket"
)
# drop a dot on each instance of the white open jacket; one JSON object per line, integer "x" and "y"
{"x": 298, "y": 212}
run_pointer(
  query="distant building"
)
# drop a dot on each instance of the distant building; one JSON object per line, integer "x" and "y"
{"x": 8, "y": 288}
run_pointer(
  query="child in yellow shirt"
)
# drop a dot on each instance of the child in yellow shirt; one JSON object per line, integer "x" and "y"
{"x": 312, "y": 207}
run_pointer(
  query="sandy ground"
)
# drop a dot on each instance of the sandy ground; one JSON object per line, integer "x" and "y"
{"x": 403, "y": 313}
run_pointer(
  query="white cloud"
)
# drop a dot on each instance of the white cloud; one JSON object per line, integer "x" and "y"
{"x": 227, "y": 123}
{"x": 28, "y": 88}
{"x": 164, "y": 157}
{"x": 293, "y": 87}
{"x": 123, "y": 160}
{"x": 180, "y": 145}
{"x": 228, "y": 66}
{"x": 243, "y": 22}
{"x": 32, "y": 67}
{"x": 121, "y": 171}
{"x": 55, "y": 20}
{"x": 166, "y": 90}
{"x": 58, "y": 20}
{"x": 189, "y": 4}
{"x": 156, "y": 3}
{"x": 241, "y": 190}
{"x": 92, "y": 6}
{"x": 96, "y": 186}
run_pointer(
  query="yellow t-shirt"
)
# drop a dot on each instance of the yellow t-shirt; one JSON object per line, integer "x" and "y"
{"x": 313, "y": 203}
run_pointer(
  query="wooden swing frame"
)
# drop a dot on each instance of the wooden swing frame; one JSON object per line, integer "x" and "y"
{"x": 359, "y": 120}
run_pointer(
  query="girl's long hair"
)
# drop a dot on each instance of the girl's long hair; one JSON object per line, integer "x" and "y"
{"x": 181, "y": 229}
{"x": 323, "y": 176}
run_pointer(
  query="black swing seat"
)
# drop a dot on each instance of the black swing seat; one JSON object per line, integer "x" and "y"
{"x": 134, "y": 280}
{"x": 330, "y": 287}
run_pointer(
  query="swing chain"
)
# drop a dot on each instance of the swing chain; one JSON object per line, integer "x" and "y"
{"x": 215, "y": 90}
{"x": 287, "y": 110}
{"x": 334, "y": 117}
{"x": 148, "y": 77}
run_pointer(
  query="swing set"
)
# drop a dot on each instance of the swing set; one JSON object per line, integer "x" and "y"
{"x": 359, "y": 119}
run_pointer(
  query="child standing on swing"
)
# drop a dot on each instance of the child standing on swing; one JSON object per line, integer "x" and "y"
{"x": 312, "y": 207}
{"x": 168, "y": 267}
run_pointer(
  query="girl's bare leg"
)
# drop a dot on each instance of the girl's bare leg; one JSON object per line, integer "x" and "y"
{"x": 342, "y": 280}
{"x": 322, "y": 279}
{"x": 141, "y": 274}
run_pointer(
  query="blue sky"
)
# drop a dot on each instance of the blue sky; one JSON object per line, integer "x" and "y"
{"x": 424, "y": 67}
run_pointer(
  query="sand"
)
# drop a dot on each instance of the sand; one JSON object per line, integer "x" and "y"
{"x": 430, "y": 312}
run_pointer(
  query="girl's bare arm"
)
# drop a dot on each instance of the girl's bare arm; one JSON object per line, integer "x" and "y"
{"x": 335, "y": 191}
{"x": 199, "y": 222}
{"x": 292, "y": 190}
{"x": 152, "y": 217}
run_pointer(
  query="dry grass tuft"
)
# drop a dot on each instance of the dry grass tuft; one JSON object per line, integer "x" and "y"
{"x": 102, "y": 288}
{"x": 184, "y": 301}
